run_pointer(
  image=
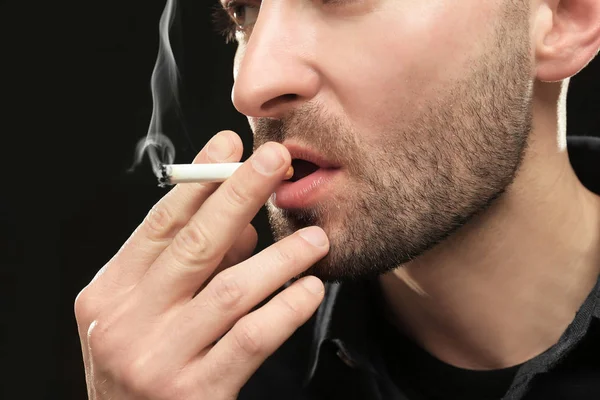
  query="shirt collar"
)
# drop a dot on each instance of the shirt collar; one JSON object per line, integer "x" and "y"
{"x": 345, "y": 317}
{"x": 348, "y": 314}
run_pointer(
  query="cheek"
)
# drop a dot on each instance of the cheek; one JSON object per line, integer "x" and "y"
{"x": 390, "y": 64}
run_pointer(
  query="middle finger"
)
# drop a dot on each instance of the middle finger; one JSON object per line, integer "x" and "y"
{"x": 169, "y": 215}
{"x": 200, "y": 246}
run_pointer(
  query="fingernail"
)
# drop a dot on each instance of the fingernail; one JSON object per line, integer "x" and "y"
{"x": 267, "y": 159}
{"x": 220, "y": 148}
{"x": 313, "y": 285}
{"x": 314, "y": 236}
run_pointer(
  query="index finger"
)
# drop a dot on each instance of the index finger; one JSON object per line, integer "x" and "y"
{"x": 199, "y": 247}
{"x": 170, "y": 214}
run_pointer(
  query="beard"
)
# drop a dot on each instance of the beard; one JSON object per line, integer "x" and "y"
{"x": 423, "y": 177}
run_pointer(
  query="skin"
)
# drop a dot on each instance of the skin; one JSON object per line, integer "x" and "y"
{"x": 458, "y": 179}
{"x": 415, "y": 176}
{"x": 171, "y": 315}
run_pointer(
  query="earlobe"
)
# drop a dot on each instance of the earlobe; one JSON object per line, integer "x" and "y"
{"x": 566, "y": 37}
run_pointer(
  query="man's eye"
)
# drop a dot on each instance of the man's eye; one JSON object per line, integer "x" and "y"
{"x": 243, "y": 15}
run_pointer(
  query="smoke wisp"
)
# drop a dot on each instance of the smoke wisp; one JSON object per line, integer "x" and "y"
{"x": 165, "y": 98}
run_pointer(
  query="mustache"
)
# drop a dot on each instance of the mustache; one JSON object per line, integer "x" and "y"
{"x": 310, "y": 126}
{"x": 269, "y": 130}
{"x": 307, "y": 123}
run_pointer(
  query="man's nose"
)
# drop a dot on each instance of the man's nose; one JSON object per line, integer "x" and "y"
{"x": 275, "y": 69}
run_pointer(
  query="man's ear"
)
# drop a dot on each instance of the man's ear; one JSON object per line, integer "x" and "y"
{"x": 566, "y": 37}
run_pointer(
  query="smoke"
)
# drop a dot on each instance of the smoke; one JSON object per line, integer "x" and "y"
{"x": 165, "y": 98}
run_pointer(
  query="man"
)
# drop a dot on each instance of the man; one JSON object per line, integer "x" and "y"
{"x": 433, "y": 192}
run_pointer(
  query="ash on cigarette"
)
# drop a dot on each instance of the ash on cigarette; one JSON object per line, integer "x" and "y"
{"x": 164, "y": 180}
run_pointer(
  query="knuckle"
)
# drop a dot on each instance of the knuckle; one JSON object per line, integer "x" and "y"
{"x": 248, "y": 337}
{"x": 282, "y": 256}
{"x": 135, "y": 375}
{"x": 206, "y": 385}
{"x": 159, "y": 222}
{"x": 193, "y": 244}
{"x": 236, "y": 195}
{"x": 133, "y": 368}
{"x": 202, "y": 382}
{"x": 84, "y": 306}
{"x": 100, "y": 342}
{"x": 178, "y": 388}
{"x": 292, "y": 306}
{"x": 226, "y": 291}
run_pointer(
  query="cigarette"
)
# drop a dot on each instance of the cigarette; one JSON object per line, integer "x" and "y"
{"x": 172, "y": 174}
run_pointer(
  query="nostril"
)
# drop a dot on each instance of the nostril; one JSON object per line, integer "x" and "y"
{"x": 289, "y": 97}
{"x": 283, "y": 99}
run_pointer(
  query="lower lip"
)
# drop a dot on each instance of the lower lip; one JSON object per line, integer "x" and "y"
{"x": 307, "y": 191}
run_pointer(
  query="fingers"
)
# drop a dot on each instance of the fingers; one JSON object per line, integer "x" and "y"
{"x": 235, "y": 358}
{"x": 200, "y": 246}
{"x": 235, "y": 291}
{"x": 169, "y": 215}
{"x": 241, "y": 250}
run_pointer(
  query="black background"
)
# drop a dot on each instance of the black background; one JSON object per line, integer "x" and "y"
{"x": 74, "y": 86}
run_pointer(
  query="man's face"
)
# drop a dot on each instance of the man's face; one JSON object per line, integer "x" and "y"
{"x": 425, "y": 107}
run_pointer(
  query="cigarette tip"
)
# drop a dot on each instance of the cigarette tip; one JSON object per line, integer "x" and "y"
{"x": 164, "y": 179}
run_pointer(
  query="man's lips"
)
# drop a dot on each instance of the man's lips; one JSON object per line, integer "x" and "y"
{"x": 304, "y": 153}
{"x": 310, "y": 184}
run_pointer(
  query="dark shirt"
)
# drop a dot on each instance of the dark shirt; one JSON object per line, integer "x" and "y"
{"x": 348, "y": 349}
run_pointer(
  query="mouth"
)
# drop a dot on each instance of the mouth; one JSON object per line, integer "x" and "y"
{"x": 312, "y": 180}
{"x": 306, "y": 162}
{"x": 302, "y": 169}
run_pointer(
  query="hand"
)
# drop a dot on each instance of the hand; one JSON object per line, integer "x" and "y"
{"x": 171, "y": 314}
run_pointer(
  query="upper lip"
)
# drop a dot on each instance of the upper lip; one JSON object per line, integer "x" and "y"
{"x": 298, "y": 151}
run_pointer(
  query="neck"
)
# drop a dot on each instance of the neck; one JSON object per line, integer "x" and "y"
{"x": 504, "y": 287}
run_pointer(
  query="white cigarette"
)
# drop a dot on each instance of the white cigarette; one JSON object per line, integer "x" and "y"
{"x": 172, "y": 174}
